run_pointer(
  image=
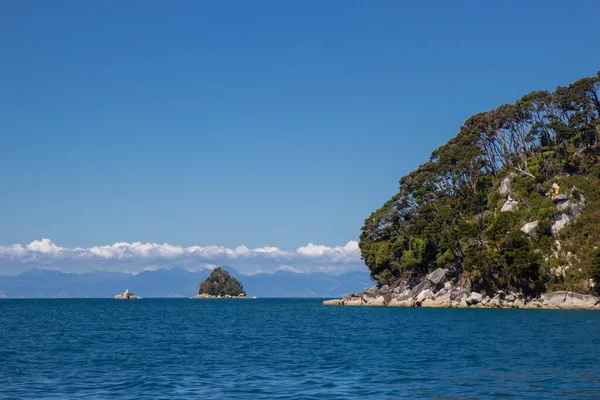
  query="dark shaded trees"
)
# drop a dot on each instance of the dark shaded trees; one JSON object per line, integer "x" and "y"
{"x": 220, "y": 283}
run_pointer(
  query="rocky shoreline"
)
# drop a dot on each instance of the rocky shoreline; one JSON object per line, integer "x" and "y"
{"x": 436, "y": 290}
{"x": 208, "y": 296}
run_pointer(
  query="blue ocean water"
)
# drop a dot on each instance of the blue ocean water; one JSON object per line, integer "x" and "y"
{"x": 292, "y": 349}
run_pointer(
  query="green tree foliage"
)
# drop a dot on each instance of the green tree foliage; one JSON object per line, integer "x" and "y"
{"x": 220, "y": 283}
{"x": 447, "y": 211}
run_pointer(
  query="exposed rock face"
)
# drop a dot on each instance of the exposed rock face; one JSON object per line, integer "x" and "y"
{"x": 505, "y": 186}
{"x": 560, "y": 223}
{"x": 529, "y": 228}
{"x": 510, "y": 205}
{"x": 572, "y": 205}
{"x": 126, "y": 295}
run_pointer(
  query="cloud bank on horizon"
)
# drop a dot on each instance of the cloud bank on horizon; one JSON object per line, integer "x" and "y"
{"x": 136, "y": 257}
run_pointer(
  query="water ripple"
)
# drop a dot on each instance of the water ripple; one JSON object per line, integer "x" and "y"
{"x": 291, "y": 349}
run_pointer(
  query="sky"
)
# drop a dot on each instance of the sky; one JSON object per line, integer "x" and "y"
{"x": 140, "y": 126}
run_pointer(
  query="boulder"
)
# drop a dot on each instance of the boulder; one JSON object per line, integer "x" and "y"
{"x": 438, "y": 276}
{"x": 458, "y": 294}
{"x": 510, "y": 205}
{"x": 533, "y": 304}
{"x": 577, "y": 301}
{"x": 554, "y": 299}
{"x": 384, "y": 289}
{"x": 474, "y": 298}
{"x": 424, "y": 285}
{"x": 425, "y": 294}
{"x": 496, "y": 301}
{"x": 518, "y": 303}
{"x": 462, "y": 304}
{"x": 510, "y": 297}
{"x": 395, "y": 302}
{"x": 442, "y": 293}
{"x": 529, "y": 228}
{"x": 443, "y": 301}
{"x": 405, "y": 295}
{"x": 354, "y": 301}
{"x": 378, "y": 301}
{"x": 333, "y": 302}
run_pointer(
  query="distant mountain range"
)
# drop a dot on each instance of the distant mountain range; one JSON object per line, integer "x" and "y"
{"x": 176, "y": 282}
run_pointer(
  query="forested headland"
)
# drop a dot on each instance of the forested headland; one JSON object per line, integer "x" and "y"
{"x": 512, "y": 202}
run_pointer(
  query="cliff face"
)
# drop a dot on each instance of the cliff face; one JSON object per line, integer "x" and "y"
{"x": 221, "y": 284}
{"x": 511, "y": 203}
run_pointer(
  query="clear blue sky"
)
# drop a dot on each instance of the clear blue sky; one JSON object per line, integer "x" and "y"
{"x": 258, "y": 123}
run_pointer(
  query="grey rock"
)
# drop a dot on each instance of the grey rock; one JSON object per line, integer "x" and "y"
{"x": 511, "y": 297}
{"x": 424, "y": 285}
{"x": 529, "y": 228}
{"x": 425, "y": 294}
{"x": 505, "y": 186}
{"x": 438, "y": 276}
{"x": 578, "y": 300}
{"x": 441, "y": 293}
{"x": 474, "y": 298}
{"x": 496, "y": 301}
{"x": 560, "y": 223}
{"x": 409, "y": 302}
{"x": 519, "y": 303}
{"x": 353, "y": 301}
{"x": 509, "y": 206}
{"x": 384, "y": 289}
{"x": 554, "y": 299}
{"x": 561, "y": 197}
{"x": 377, "y": 301}
{"x": 405, "y": 295}
{"x": 458, "y": 294}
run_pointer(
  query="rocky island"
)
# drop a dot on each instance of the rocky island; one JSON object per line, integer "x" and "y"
{"x": 220, "y": 285}
{"x": 126, "y": 295}
{"x": 505, "y": 214}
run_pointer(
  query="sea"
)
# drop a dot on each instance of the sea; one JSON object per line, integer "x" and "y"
{"x": 292, "y": 349}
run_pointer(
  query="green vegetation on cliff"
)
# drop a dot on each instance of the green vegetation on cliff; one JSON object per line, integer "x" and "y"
{"x": 220, "y": 283}
{"x": 511, "y": 202}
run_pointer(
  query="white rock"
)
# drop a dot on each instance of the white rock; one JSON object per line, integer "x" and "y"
{"x": 505, "y": 186}
{"x": 529, "y": 228}
{"x": 560, "y": 223}
{"x": 510, "y": 205}
{"x": 425, "y": 294}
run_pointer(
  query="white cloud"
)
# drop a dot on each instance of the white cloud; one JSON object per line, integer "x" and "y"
{"x": 137, "y": 256}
